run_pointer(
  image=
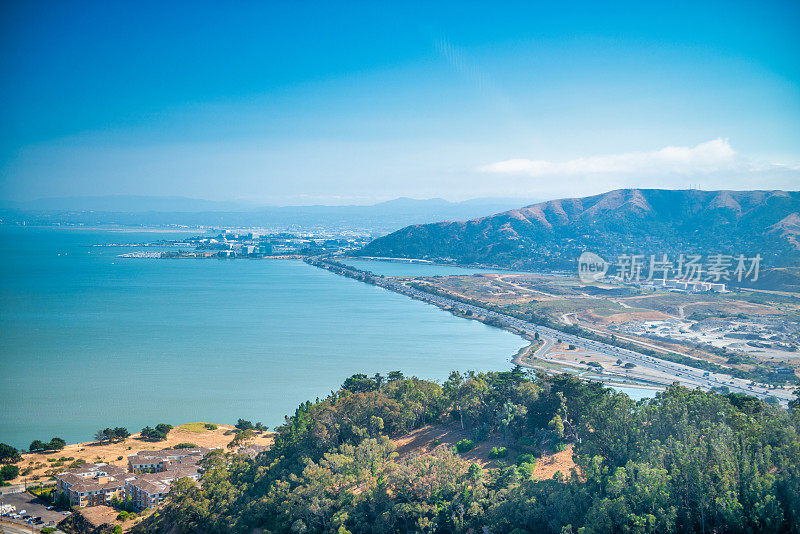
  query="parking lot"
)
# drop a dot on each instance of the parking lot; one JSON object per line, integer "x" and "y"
{"x": 32, "y": 508}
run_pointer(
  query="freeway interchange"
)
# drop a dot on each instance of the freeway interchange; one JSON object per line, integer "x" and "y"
{"x": 663, "y": 372}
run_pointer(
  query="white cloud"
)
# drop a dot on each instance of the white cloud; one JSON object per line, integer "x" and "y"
{"x": 711, "y": 156}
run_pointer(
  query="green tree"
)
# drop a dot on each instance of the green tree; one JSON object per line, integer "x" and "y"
{"x": 556, "y": 425}
{"x": 242, "y": 439}
{"x": 9, "y": 472}
{"x": 9, "y": 454}
{"x": 56, "y": 444}
{"x": 243, "y": 424}
{"x": 37, "y": 445}
{"x": 394, "y": 376}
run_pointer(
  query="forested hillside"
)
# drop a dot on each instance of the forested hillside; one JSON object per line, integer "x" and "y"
{"x": 685, "y": 461}
{"x": 640, "y": 221}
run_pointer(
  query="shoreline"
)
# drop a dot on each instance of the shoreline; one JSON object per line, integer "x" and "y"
{"x": 480, "y": 315}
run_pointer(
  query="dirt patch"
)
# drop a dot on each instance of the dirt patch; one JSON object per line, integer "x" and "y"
{"x": 547, "y": 466}
{"x": 426, "y": 439}
{"x": 98, "y": 516}
{"x": 624, "y": 317}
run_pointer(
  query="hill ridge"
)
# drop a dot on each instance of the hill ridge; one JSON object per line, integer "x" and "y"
{"x": 621, "y": 220}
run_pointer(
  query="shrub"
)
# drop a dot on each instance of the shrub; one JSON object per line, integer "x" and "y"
{"x": 465, "y": 445}
{"x": 498, "y": 452}
{"x": 9, "y": 454}
{"x": 526, "y": 444}
{"x": 480, "y": 433}
{"x": 556, "y": 425}
{"x": 526, "y": 459}
{"x": 211, "y": 426}
{"x": 122, "y": 516}
{"x": 526, "y": 469}
{"x": 48, "y": 530}
{"x": 8, "y": 472}
{"x": 243, "y": 424}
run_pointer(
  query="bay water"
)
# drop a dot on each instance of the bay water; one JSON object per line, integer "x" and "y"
{"x": 89, "y": 340}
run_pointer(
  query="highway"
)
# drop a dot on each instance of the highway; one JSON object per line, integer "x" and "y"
{"x": 688, "y": 376}
{"x": 684, "y": 374}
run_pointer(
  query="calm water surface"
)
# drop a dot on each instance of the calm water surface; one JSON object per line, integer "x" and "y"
{"x": 89, "y": 340}
{"x": 637, "y": 393}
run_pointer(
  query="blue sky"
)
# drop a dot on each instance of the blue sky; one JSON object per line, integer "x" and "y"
{"x": 290, "y": 103}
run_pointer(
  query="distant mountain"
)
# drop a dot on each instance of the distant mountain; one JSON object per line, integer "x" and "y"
{"x": 642, "y": 221}
{"x": 126, "y": 204}
{"x": 146, "y": 211}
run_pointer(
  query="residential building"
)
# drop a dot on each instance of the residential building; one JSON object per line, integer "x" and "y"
{"x": 146, "y": 481}
{"x": 164, "y": 460}
{"x": 149, "y": 490}
{"x": 93, "y": 484}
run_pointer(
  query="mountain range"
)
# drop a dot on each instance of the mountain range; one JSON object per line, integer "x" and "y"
{"x": 641, "y": 221}
{"x": 156, "y": 211}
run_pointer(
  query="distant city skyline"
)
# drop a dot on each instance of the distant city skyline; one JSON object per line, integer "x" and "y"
{"x": 285, "y": 104}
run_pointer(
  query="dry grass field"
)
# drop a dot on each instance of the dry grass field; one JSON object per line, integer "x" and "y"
{"x": 44, "y": 465}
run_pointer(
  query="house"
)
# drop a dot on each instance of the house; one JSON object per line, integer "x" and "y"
{"x": 93, "y": 484}
{"x": 164, "y": 460}
{"x": 146, "y": 482}
{"x": 149, "y": 490}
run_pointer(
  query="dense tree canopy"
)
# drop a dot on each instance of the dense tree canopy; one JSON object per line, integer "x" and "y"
{"x": 685, "y": 461}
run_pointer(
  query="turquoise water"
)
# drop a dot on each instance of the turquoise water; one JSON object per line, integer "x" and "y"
{"x": 89, "y": 340}
{"x": 637, "y": 393}
{"x": 395, "y": 268}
